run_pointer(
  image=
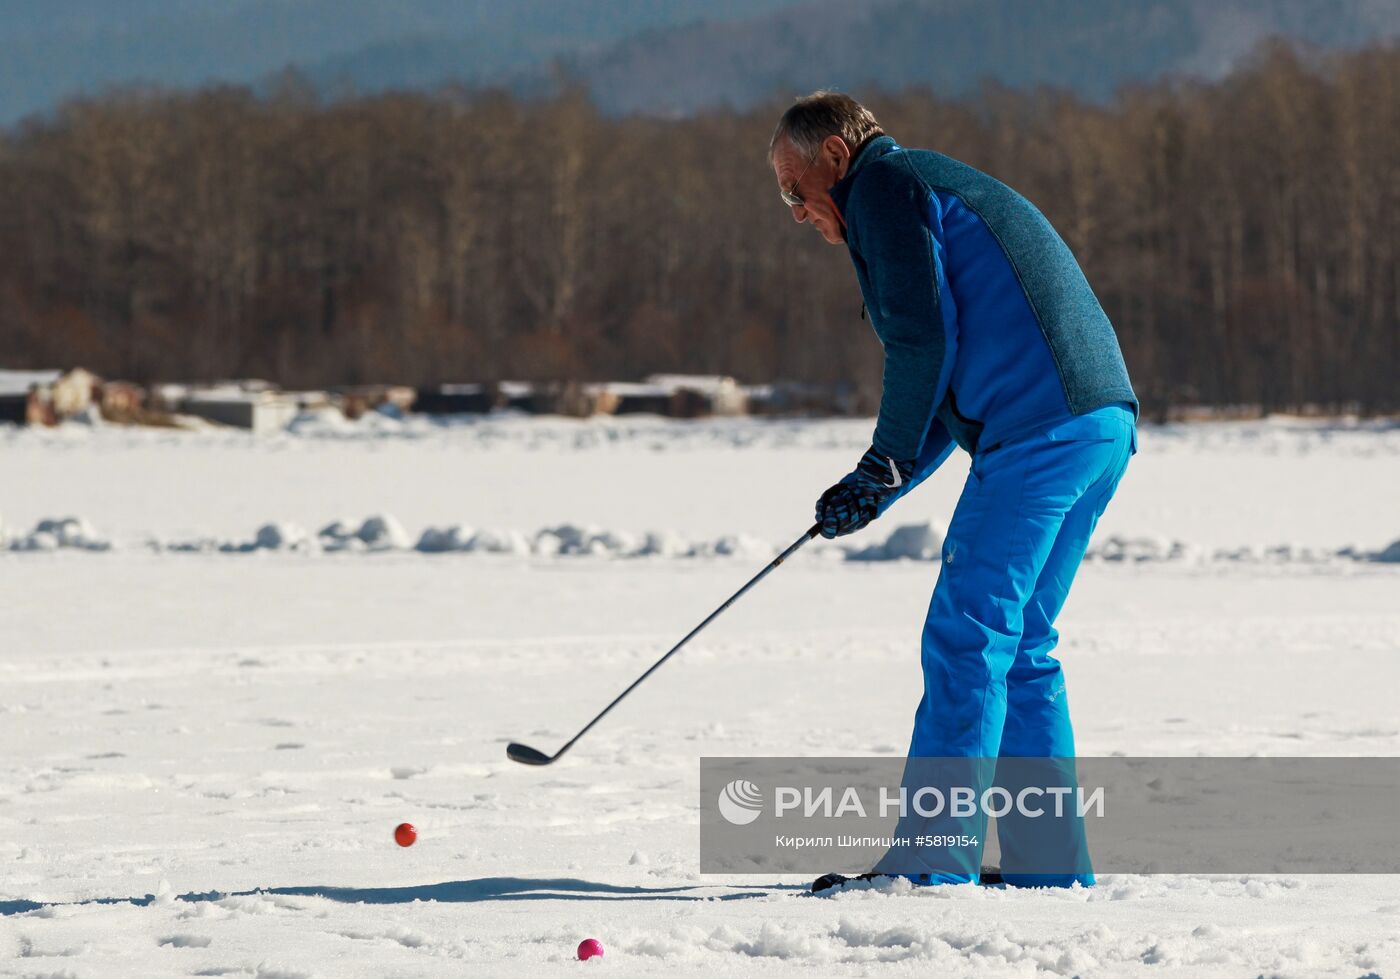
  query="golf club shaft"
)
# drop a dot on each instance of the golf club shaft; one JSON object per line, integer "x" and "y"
{"x": 812, "y": 532}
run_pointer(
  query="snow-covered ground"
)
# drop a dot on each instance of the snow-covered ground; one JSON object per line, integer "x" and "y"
{"x": 206, "y": 751}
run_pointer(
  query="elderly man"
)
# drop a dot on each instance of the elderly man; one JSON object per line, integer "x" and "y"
{"x": 993, "y": 342}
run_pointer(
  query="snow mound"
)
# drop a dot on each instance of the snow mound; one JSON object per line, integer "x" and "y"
{"x": 915, "y": 542}
{"x": 1281, "y": 554}
{"x": 498, "y": 542}
{"x": 1155, "y": 549}
{"x": 665, "y": 543}
{"x": 383, "y": 533}
{"x": 386, "y": 421}
{"x": 1138, "y": 549}
{"x": 281, "y": 537}
{"x": 462, "y": 538}
{"x": 64, "y": 533}
{"x": 735, "y": 545}
{"x": 377, "y": 533}
{"x": 924, "y": 542}
{"x": 1389, "y": 554}
{"x": 324, "y": 422}
{"x": 287, "y": 537}
{"x": 570, "y": 539}
{"x": 439, "y": 540}
{"x": 586, "y": 540}
{"x": 340, "y": 536}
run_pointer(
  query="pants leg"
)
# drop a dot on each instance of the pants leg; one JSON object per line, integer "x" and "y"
{"x": 1037, "y": 717}
{"x": 1003, "y": 535}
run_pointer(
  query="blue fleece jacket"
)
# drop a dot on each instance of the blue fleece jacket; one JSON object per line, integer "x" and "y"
{"x": 989, "y": 327}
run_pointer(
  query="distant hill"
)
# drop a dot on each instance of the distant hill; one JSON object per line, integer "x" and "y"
{"x": 54, "y": 49}
{"x": 1089, "y": 46}
{"x": 646, "y": 55}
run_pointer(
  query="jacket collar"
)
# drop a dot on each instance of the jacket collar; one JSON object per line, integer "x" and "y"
{"x": 872, "y": 150}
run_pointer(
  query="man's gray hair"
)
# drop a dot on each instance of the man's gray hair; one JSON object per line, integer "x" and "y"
{"x": 813, "y": 118}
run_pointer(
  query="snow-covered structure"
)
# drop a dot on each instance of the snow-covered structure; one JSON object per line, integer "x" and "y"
{"x": 257, "y": 411}
{"x": 673, "y": 396}
{"x": 716, "y": 394}
{"x": 45, "y": 397}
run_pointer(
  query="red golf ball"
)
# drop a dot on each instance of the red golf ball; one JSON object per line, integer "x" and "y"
{"x": 590, "y": 947}
{"x": 405, "y": 834}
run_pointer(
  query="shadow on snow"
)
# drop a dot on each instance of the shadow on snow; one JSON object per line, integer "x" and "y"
{"x": 449, "y": 892}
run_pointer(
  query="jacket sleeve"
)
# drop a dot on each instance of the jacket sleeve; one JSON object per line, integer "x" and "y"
{"x": 938, "y": 446}
{"x": 895, "y": 226}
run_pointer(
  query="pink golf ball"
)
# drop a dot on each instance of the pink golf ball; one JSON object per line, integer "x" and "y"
{"x": 588, "y": 948}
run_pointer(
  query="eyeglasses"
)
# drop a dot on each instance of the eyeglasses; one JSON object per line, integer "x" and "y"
{"x": 790, "y": 197}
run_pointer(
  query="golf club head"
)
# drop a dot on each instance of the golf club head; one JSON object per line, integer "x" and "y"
{"x": 526, "y": 755}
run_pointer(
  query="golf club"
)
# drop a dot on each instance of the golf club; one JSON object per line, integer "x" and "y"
{"x": 533, "y": 756}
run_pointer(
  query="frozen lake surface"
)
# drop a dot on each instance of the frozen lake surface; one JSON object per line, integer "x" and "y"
{"x": 207, "y": 753}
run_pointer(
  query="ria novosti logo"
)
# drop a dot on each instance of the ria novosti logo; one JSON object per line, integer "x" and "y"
{"x": 740, "y": 802}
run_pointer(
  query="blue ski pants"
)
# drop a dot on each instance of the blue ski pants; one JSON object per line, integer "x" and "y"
{"x": 992, "y": 687}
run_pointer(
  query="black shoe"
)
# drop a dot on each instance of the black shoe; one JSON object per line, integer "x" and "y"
{"x": 827, "y": 882}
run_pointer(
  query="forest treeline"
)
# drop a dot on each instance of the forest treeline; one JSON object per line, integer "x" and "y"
{"x": 1244, "y": 236}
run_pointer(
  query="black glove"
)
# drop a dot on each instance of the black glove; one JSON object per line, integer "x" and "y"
{"x": 855, "y": 501}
